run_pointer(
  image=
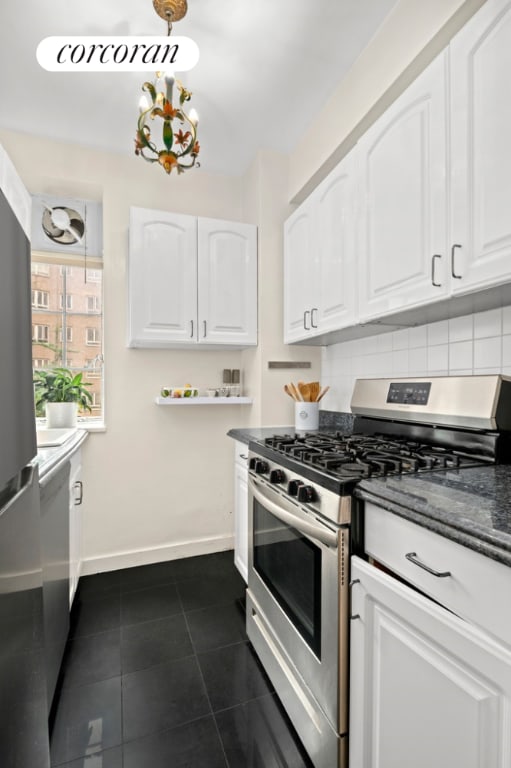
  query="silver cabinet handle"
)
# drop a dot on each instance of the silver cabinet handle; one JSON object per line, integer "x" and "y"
{"x": 350, "y": 587}
{"x": 78, "y": 486}
{"x": 314, "y": 309}
{"x": 307, "y": 312}
{"x": 243, "y": 456}
{"x": 412, "y": 557}
{"x": 191, "y": 333}
{"x": 205, "y": 328}
{"x": 433, "y": 262}
{"x": 453, "y": 251}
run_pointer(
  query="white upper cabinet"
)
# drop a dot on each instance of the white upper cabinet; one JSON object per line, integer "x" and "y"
{"x": 403, "y": 189}
{"x": 191, "y": 281}
{"x": 319, "y": 258}
{"x": 301, "y": 272}
{"x": 227, "y": 282}
{"x": 481, "y": 149}
{"x": 162, "y": 278}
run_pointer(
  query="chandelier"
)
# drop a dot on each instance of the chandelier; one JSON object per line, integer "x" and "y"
{"x": 180, "y": 148}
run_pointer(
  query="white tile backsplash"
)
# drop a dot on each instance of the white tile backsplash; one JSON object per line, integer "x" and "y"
{"x": 478, "y": 343}
{"x": 488, "y": 324}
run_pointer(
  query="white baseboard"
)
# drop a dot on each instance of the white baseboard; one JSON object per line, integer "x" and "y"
{"x": 116, "y": 560}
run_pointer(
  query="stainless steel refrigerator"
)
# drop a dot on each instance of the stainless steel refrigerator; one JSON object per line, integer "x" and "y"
{"x": 23, "y": 707}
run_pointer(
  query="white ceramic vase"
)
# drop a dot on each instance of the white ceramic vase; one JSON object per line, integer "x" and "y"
{"x": 60, "y": 415}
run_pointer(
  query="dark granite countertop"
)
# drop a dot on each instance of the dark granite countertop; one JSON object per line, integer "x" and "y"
{"x": 470, "y": 506}
{"x": 328, "y": 421}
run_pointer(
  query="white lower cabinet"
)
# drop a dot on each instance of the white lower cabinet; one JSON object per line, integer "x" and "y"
{"x": 241, "y": 508}
{"x": 75, "y": 523}
{"x": 429, "y": 685}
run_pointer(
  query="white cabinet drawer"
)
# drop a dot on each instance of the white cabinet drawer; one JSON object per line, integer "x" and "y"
{"x": 477, "y": 588}
{"x": 241, "y": 453}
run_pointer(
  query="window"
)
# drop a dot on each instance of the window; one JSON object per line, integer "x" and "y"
{"x": 69, "y": 337}
{"x": 40, "y": 299}
{"x": 93, "y": 336}
{"x": 43, "y": 270}
{"x": 93, "y": 304}
{"x": 67, "y": 325}
{"x": 40, "y": 332}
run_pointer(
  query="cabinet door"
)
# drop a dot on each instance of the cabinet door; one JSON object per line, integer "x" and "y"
{"x": 481, "y": 148}
{"x": 334, "y": 234}
{"x": 162, "y": 279}
{"x": 241, "y": 519}
{"x": 426, "y": 688}
{"x": 227, "y": 282}
{"x": 301, "y": 272}
{"x": 403, "y": 186}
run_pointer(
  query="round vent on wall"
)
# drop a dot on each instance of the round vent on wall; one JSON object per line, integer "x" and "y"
{"x": 63, "y": 225}
{"x": 67, "y": 225}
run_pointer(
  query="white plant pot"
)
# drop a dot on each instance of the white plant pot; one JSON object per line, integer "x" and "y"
{"x": 59, "y": 415}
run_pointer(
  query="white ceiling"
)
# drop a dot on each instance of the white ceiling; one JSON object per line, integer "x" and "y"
{"x": 265, "y": 67}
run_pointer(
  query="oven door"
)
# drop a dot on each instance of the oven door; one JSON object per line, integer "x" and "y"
{"x": 296, "y": 605}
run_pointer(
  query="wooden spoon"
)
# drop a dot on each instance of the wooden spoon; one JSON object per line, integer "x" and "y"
{"x": 297, "y": 393}
{"x": 288, "y": 392}
{"x": 323, "y": 393}
{"x": 304, "y": 390}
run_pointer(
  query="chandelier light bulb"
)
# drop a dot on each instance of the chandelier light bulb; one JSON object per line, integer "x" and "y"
{"x": 194, "y": 116}
{"x": 143, "y": 104}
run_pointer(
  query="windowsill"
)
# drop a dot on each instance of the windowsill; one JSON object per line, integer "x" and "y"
{"x": 96, "y": 426}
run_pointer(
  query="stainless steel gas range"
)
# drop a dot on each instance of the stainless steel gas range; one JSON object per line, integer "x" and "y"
{"x": 300, "y": 528}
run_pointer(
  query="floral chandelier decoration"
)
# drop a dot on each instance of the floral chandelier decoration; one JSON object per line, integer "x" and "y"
{"x": 178, "y": 129}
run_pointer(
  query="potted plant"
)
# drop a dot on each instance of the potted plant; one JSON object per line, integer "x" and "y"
{"x": 61, "y": 393}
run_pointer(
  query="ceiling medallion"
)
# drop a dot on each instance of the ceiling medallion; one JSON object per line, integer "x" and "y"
{"x": 178, "y": 128}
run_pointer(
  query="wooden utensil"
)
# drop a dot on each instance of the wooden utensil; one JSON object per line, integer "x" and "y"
{"x": 323, "y": 393}
{"x": 289, "y": 392}
{"x": 297, "y": 393}
{"x": 304, "y": 391}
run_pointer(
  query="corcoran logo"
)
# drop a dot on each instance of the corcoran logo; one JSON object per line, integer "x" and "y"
{"x": 117, "y": 54}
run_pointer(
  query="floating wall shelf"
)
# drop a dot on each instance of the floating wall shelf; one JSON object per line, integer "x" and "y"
{"x": 204, "y": 401}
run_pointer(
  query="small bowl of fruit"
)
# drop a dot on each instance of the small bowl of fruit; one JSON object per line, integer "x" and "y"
{"x": 175, "y": 392}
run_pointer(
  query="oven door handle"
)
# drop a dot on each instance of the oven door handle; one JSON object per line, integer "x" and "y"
{"x": 321, "y": 534}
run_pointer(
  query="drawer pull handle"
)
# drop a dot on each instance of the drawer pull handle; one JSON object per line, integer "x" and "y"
{"x": 350, "y": 589}
{"x": 412, "y": 557}
{"x": 243, "y": 456}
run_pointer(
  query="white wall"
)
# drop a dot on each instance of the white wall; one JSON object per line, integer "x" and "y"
{"x": 474, "y": 344}
{"x": 157, "y": 483}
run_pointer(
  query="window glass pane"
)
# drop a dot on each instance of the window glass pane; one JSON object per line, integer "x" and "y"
{"x": 67, "y": 323}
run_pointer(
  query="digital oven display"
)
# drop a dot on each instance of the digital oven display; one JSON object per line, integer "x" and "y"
{"x": 401, "y": 393}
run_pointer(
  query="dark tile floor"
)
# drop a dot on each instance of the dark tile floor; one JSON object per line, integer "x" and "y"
{"x": 158, "y": 673}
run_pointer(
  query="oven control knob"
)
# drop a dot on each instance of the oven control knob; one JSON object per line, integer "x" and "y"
{"x": 307, "y": 494}
{"x": 261, "y": 467}
{"x": 252, "y": 463}
{"x": 277, "y": 476}
{"x": 293, "y": 486}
